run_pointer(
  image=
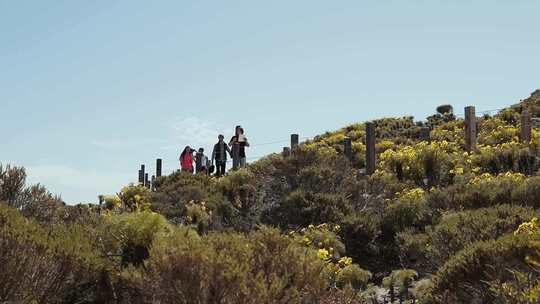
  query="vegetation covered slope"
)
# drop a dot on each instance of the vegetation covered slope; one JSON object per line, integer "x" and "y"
{"x": 434, "y": 224}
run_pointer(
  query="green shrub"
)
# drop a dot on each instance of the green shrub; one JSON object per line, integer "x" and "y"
{"x": 353, "y": 275}
{"x": 242, "y": 189}
{"x": 302, "y": 208}
{"x": 408, "y": 210}
{"x": 46, "y": 266}
{"x": 465, "y": 277}
{"x": 526, "y": 193}
{"x": 398, "y": 284}
{"x": 363, "y": 238}
{"x": 131, "y": 235}
{"x": 262, "y": 267}
{"x": 456, "y": 230}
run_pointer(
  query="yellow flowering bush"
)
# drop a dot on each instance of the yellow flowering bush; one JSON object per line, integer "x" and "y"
{"x": 524, "y": 288}
{"x": 529, "y": 228}
{"x": 339, "y": 269}
{"x": 431, "y": 161}
{"x": 411, "y": 194}
{"x": 495, "y": 131}
{"x": 407, "y": 209}
{"x": 507, "y": 156}
{"x": 112, "y": 202}
{"x": 135, "y": 197}
{"x": 323, "y": 236}
{"x": 451, "y": 131}
{"x": 487, "y": 178}
{"x": 199, "y": 215}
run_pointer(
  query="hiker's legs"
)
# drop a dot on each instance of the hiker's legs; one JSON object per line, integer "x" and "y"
{"x": 222, "y": 168}
{"x": 242, "y": 162}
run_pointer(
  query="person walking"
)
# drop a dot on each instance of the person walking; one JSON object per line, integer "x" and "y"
{"x": 243, "y": 141}
{"x": 201, "y": 162}
{"x": 186, "y": 159}
{"x": 240, "y": 139}
{"x": 219, "y": 154}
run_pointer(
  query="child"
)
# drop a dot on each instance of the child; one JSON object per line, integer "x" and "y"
{"x": 200, "y": 162}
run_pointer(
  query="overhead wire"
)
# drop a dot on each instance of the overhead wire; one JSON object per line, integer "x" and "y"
{"x": 481, "y": 112}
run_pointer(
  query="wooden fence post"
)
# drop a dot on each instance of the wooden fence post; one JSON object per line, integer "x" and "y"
{"x": 141, "y": 176}
{"x": 236, "y": 155}
{"x": 158, "y": 167}
{"x": 347, "y": 148}
{"x": 286, "y": 151}
{"x": 525, "y": 131}
{"x": 294, "y": 141}
{"x": 371, "y": 156}
{"x": 424, "y": 133}
{"x": 470, "y": 128}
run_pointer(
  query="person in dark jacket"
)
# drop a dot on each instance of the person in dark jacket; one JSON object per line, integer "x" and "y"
{"x": 219, "y": 154}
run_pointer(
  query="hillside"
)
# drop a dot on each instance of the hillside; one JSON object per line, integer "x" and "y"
{"x": 433, "y": 224}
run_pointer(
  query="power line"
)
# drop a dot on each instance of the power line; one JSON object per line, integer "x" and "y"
{"x": 481, "y": 112}
{"x": 270, "y": 143}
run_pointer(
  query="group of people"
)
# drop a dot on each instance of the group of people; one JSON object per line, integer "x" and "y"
{"x": 196, "y": 161}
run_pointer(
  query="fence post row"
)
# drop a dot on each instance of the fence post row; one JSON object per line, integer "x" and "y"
{"x": 470, "y": 128}
{"x": 371, "y": 156}
{"x": 525, "y": 131}
{"x": 294, "y": 141}
{"x": 347, "y": 148}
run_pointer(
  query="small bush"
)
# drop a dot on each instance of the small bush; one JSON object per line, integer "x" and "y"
{"x": 465, "y": 277}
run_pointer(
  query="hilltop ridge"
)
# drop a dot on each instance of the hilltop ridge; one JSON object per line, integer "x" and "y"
{"x": 434, "y": 224}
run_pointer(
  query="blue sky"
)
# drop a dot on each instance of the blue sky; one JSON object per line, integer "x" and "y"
{"x": 89, "y": 90}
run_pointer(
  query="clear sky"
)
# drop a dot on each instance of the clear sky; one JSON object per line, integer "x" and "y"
{"x": 89, "y": 90}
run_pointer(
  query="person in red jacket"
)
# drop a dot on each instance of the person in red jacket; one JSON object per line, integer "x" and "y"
{"x": 186, "y": 159}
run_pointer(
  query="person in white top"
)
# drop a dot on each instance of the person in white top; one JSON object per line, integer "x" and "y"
{"x": 201, "y": 162}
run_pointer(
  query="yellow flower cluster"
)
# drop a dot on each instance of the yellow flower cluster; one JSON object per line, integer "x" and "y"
{"x": 457, "y": 171}
{"x": 495, "y": 131}
{"x": 490, "y": 149}
{"x": 345, "y": 261}
{"x": 487, "y": 177}
{"x": 323, "y": 239}
{"x": 411, "y": 194}
{"x": 410, "y": 158}
{"x": 323, "y": 254}
{"x": 530, "y": 227}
